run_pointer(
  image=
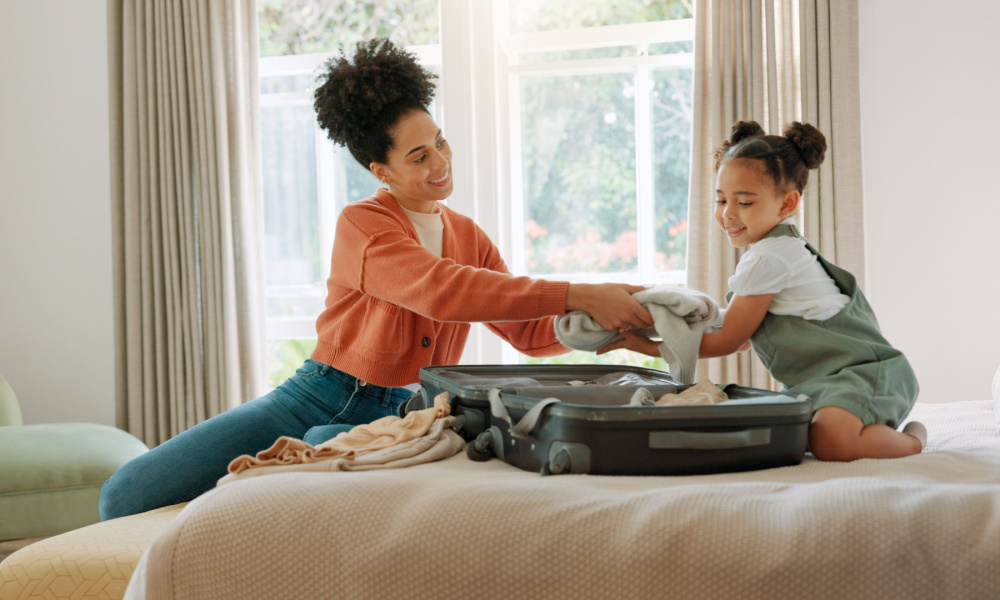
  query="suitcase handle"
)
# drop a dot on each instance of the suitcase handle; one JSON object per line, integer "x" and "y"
{"x": 527, "y": 424}
{"x": 708, "y": 440}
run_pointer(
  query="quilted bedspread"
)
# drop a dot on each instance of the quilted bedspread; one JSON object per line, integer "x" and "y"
{"x": 926, "y": 526}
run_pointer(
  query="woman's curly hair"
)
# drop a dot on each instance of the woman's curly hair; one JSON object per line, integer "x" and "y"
{"x": 787, "y": 158}
{"x": 360, "y": 98}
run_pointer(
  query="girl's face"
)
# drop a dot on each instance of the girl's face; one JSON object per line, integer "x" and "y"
{"x": 748, "y": 204}
{"x": 418, "y": 169}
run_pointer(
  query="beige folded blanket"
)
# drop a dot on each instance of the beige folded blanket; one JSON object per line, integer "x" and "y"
{"x": 390, "y": 442}
{"x": 703, "y": 392}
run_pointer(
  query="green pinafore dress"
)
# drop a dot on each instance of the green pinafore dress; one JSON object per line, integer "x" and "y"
{"x": 843, "y": 361}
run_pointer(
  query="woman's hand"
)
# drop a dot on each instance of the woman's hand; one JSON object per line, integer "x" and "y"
{"x": 633, "y": 342}
{"x": 610, "y": 304}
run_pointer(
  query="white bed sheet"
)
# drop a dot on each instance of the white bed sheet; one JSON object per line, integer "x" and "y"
{"x": 926, "y": 526}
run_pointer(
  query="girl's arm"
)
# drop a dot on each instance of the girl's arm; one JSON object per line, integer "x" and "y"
{"x": 743, "y": 317}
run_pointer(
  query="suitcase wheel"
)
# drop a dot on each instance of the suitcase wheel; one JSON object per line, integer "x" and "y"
{"x": 559, "y": 464}
{"x": 481, "y": 448}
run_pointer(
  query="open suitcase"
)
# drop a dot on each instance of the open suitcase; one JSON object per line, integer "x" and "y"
{"x": 576, "y": 419}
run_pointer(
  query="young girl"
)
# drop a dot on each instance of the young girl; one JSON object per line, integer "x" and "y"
{"x": 408, "y": 275}
{"x": 805, "y": 318}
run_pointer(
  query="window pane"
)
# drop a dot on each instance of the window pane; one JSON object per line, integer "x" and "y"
{"x": 309, "y": 26}
{"x": 291, "y": 225}
{"x": 578, "y": 148}
{"x": 588, "y": 54}
{"x": 671, "y": 104}
{"x": 282, "y": 84}
{"x": 284, "y": 357}
{"x": 358, "y": 181}
{"x": 686, "y": 47}
{"x": 527, "y": 16}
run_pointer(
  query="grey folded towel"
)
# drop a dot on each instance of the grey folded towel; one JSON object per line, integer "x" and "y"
{"x": 680, "y": 318}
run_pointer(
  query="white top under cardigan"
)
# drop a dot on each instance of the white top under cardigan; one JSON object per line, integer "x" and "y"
{"x": 429, "y": 226}
{"x": 430, "y": 230}
{"x": 783, "y": 266}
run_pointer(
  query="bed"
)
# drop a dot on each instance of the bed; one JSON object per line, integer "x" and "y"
{"x": 926, "y": 526}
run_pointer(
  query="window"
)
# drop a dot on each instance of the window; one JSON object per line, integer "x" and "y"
{"x": 307, "y": 179}
{"x": 600, "y": 133}
{"x": 574, "y": 127}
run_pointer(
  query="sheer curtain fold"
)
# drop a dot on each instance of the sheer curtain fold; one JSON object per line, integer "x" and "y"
{"x": 186, "y": 201}
{"x": 775, "y": 61}
{"x": 831, "y": 101}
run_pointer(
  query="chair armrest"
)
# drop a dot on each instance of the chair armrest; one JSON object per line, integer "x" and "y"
{"x": 10, "y": 410}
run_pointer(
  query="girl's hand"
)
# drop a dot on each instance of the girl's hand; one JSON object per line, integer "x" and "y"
{"x": 610, "y": 304}
{"x": 633, "y": 342}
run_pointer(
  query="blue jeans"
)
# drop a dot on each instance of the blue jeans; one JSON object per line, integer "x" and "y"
{"x": 314, "y": 404}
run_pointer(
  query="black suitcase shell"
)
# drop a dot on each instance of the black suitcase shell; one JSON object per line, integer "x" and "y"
{"x": 591, "y": 429}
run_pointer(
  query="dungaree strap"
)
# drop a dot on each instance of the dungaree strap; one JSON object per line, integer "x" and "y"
{"x": 783, "y": 229}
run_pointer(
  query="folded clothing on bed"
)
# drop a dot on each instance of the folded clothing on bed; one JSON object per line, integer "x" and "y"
{"x": 390, "y": 442}
{"x": 680, "y": 318}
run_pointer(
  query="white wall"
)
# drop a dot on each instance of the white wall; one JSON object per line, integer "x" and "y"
{"x": 929, "y": 86}
{"x": 56, "y": 320}
{"x": 930, "y": 92}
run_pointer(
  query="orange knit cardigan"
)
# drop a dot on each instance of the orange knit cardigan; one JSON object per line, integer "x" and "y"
{"x": 393, "y": 306}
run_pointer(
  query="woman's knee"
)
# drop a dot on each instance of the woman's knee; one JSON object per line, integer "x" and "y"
{"x": 322, "y": 433}
{"x": 117, "y": 498}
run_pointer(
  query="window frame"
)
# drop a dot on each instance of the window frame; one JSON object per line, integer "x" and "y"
{"x": 640, "y": 35}
{"x": 507, "y": 50}
{"x": 295, "y": 328}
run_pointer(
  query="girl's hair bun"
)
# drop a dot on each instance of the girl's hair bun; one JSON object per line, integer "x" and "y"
{"x": 809, "y": 141}
{"x": 742, "y": 130}
{"x": 745, "y": 129}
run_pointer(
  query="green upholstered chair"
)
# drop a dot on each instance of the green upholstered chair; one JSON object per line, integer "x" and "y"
{"x": 51, "y": 474}
{"x": 10, "y": 410}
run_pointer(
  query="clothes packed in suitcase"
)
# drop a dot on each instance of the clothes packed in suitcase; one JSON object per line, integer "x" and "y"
{"x": 614, "y": 420}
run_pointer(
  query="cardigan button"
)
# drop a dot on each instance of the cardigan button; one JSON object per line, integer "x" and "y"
{"x": 425, "y": 342}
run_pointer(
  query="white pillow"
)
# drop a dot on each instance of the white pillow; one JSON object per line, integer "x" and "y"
{"x": 996, "y": 397}
{"x": 996, "y": 386}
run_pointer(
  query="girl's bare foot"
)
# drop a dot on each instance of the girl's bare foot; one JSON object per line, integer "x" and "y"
{"x": 917, "y": 430}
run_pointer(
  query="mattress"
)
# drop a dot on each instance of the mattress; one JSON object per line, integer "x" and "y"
{"x": 925, "y": 526}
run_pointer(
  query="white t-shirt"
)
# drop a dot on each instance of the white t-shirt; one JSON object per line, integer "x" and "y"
{"x": 429, "y": 228}
{"x": 783, "y": 266}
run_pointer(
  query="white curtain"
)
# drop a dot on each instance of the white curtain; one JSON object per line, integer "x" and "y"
{"x": 770, "y": 61}
{"x": 831, "y": 100}
{"x": 186, "y": 198}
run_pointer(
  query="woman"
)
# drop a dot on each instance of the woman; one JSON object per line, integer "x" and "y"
{"x": 408, "y": 275}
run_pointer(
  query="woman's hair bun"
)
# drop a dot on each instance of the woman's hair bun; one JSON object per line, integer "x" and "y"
{"x": 810, "y": 142}
{"x": 366, "y": 91}
{"x": 745, "y": 129}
